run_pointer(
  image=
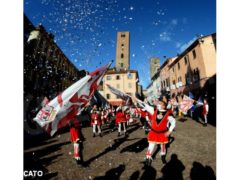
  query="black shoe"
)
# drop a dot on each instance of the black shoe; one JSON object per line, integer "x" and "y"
{"x": 100, "y": 134}
{"x": 163, "y": 159}
{"x": 118, "y": 134}
{"x": 94, "y": 135}
{"x": 148, "y": 162}
{"x": 79, "y": 162}
{"x": 204, "y": 124}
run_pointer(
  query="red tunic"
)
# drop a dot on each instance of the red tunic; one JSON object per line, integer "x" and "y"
{"x": 144, "y": 114}
{"x": 155, "y": 137}
{"x": 95, "y": 118}
{"x": 120, "y": 117}
{"x": 74, "y": 130}
{"x": 204, "y": 110}
{"x": 127, "y": 117}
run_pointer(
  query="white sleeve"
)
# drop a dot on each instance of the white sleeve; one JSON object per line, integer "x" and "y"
{"x": 117, "y": 108}
{"x": 172, "y": 122}
{"x": 207, "y": 108}
{"x": 169, "y": 106}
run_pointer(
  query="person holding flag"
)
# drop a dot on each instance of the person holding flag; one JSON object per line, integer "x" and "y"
{"x": 63, "y": 109}
{"x": 58, "y": 112}
{"x": 162, "y": 124}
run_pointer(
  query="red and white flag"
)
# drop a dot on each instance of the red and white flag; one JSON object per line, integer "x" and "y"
{"x": 57, "y": 113}
{"x": 186, "y": 104}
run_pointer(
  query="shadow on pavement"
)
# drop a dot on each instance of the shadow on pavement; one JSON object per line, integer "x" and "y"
{"x": 33, "y": 159}
{"x": 31, "y": 141}
{"x": 135, "y": 175}
{"x": 173, "y": 169}
{"x": 113, "y": 173}
{"x": 149, "y": 173}
{"x": 114, "y": 146}
{"x": 136, "y": 147}
{"x": 199, "y": 172}
{"x": 182, "y": 119}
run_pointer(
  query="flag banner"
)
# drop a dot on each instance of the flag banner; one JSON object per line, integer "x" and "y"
{"x": 145, "y": 106}
{"x": 119, "y": 94}
{"x": 186, "y": 104}
{"x": 57, "y": 113}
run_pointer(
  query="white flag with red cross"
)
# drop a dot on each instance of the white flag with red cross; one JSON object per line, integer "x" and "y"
{"x": 57, "y": 113}
{"x": 185, "y": 104}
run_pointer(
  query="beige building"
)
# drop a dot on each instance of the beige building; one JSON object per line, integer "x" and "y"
{"x": 122, "y": 51}
{"x": 154, "y": 66}
{"x": 125, "y": 81}
{"x": 195, "y": 68}
{"x": 165, "y": 74}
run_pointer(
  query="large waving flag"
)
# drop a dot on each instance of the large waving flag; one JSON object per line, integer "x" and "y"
{"x": 57, "y": 113}
{"x": 119, "y": 94}
{"x": 186, "y": 104}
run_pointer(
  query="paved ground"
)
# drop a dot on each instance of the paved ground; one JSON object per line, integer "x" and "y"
{"x": 192, "y": 155}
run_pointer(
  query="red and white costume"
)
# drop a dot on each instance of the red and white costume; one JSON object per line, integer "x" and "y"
{"x": 120, "y": 117}
{"x": 121, "y": 120}
{"x": 205, "y": 111}
{"x": 156, "y": 135}
{"x": 75, "y": 136}
{"x": 96, "y": 121}
{"x": 127, "y": 117}
{"x": 162, "y": 124}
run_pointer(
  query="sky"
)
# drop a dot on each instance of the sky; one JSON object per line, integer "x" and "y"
{"x": 86, "y": 30}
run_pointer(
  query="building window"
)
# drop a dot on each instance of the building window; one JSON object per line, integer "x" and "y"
{"x": 180, "y": 79}
{"x": 117, "y": 77}
{"x": 174, "y": 82}
{"x": 108, "y": 96}
{"x": 178, "y": 66}
{"x": 194, "y": 54}
{"x": 108, "y": 77}
{"x": 168, "y": 82}
{"x": 121, "y": 64}
{"x": 196, "y": 76}
{"x": 123, "y": 35}
{"x": 188, "y": 79}
{"x": 129, "y": 85}
{"x": 130, "y": 76}
{"x": 186, "y": 60}
{"x": 122, "y": 45}
{"x": 122, "y": 55}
